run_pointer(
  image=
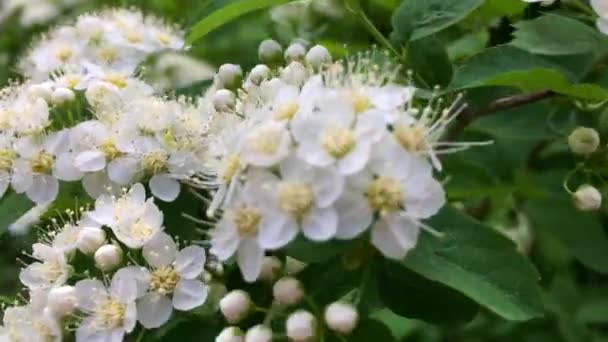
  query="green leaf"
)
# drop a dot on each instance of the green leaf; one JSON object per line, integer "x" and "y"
{"x": 226, "y": 14}
{"x": 367, "y": 330}
{"x": 12, "y": 207}
{"x": 593, "y": 311}
{"x": 433, "y": 302}
{"x": 416, "y": 19}
{"x": 528, "y": 122}
{"x": 553, "y": 34}
{"x": 313, "y": 252}
{"x": 479, "y": 262}
{"x": 509, "y": 66}
{"x": 429, "y": 58}
{"x": 580, "y": 233}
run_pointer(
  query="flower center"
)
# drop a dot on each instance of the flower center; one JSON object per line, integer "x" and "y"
{"x": 384, "y": 195}
{"x": 7, "y": 157}
{"x": 110, "y": 150}
{"x": 338, "y": 142}
{"x": 133, "y": 37}
{"x": 296, "y": 199}
{"x": 72, "y": 80}
{"x": 64, "y": 53}
{"x": 43, "y": 163}
{"x": 108, "y": 55}
{"x": 266, "y": 141}
{"x": 164, "y": 38}
{"x": 286, "y": 111}
{"x": 141, "y": 230}
{"x": 247, "y": 220}
{"x": 50, "y": 271}
{"x": 110, "y": 314}
{"x": 410, "y": 137}
{"x": 164, "y": 280}
{"x": 118, "y": 80}
{"x": 232, "y": 163}
{"x": 155, "y": 162}
{"x": 361, "y": 103}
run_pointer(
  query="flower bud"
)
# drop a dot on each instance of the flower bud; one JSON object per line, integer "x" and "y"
{"x": 259, "y": 333}
{"x": 288, "y": 290}
{"x": 341, "y": 317}
{"x": 62, "y": 301}
{"x": 295, "y": 52}
{"x": 295, "y": 74}
{"x": 584, "y": 141}
{"x": 108, "y": 257}
{"x": 294, "y": 266}
{"x": 235, "y": 306}
{"x": 224, "y": 100}
{"x": 587, "y": 198}
{"x": 271, "y": 268}
{"x": 259, "y": 73}
{"x": 90, "y": 239}
{"x": 300, "y": 326}
{"x": 230, "y": 334}
{"x": 318, "y": 56}
{"x": 270, "y": 52}
{"x": 230, "y": 76}
{"x": 62, "y": 95}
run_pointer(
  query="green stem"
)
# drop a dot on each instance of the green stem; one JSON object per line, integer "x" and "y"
{"x": 355, "y": 7}
{"x": 140, "y": 337}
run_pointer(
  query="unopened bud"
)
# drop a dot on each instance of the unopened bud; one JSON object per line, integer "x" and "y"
{"x": 587, "y": 198}
{"x": 271, "y": 268}
{"x": 270, "y": 52}
{"x": 230, "y": 334}
{"x": 259, "y": 333}
{"x": 318, "y": 56}
{"x": 584, "y": 141}
{"x": 288, "y": 290}
{"x": 90, "y": 239}
{"x": 108, "y": 257}
{"x": 62, "y": 301}
{"x": 295, "y": 74}
{"x": 259, "y": 73}
{"x": 295, "y": 52}
{"x": 301, "y": 326}
{"x": 235, "y": 306}
{"x": 341, "y": 317}
{"x": 230, "y": 76}
{"x": 62, "y": 95}
{"x": 224, "y": 100}
{"x": 294, "y": 266}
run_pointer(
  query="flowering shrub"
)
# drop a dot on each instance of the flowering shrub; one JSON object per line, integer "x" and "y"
{"x": 446, "y": 183}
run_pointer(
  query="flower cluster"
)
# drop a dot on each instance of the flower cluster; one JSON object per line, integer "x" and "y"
{"x": 114, "y": 295}
{"x": 34, "y": 12}
{"x": 329, "y": 150}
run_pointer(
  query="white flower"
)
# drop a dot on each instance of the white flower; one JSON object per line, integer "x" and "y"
{"x": 30, "y": 323}
{"x": 111, "y": 312}
{"x": 235, "y": 306}
{"x": 587, "y": 198}
{"x": 341, "y": 317}
{"x": 301, "y": 326}
{"x": 8, "y": 155}
{"x": 266, "y": 144}
{"x": 108, "y": 257}
{"x": 258, "y": 333}
{"x": 62, "y": 301}
{"x": 173, "y": 281}
{"x": 288, "y": 290}
{"x": 51, "y": 270}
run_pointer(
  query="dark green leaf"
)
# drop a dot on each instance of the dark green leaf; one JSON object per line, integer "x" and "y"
{"x": 429, "y": 58}
{"x": 314, "y": 252}
{"x": 12, "y": 206}
{"x": 367, "y": 330}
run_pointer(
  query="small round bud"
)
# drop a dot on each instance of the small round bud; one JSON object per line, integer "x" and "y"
{"x": 90, "y": 239}
{"x": 341, "y": 317}
{"x": 62, "y": 301}
{"x": 62, "y": 95}
{"x": 294, "y": 266}
{"x": 318, "y": 56}
{"x": 108, "y": 257}
{"x": 259, "y": 333}
{"x": 295, "y": 74}
{"x": 230, "y": 76}
{"x": 295, "y": 52}
{"x": 271, "y": 268}
{"x": 43, "y": 91}
{"x": 230, "y": 334}
{"x": 288, "y": 290}
{"x": 224, "y": 100}
{"x": 584, "y": 141}
{"x": 259, "y": 73}
{"x": 235, "y": 306}
{"x": 300, "y": 326}
{"x": 587, "y": 198}
{"x": 270, "y": 52}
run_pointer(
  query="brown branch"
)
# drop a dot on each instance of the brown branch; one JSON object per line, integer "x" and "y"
{"x": 468, "y": 116}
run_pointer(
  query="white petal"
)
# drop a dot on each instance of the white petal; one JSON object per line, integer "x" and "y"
{"x": 22, "y": 178}
{"x": 122, "y": 170}
{"x": 224, "y": 239}
{"x": 128, "y": 324}
{"x": 87, "y": 332}
{"x": 5, "y": 181}
{"x": 44, "y": 189}
{"x": 64, "y": 168}
{"x": 90, "y": 161}
{"x": 153, "y": 310}
{"x": 90, "y": 292}
{"x": 424, "y": 197}
{"x": 394, "y": 236}
{"x": 320, "y": 224}
{"x": 189, "y": 294}
{"x": 97, "y": 183}
{"x": 276, "y": 231}
{"x": 314, "y": 154}
{"x": 354, "y": 215}
{"x": 328, "y": 185}
{"x": 356, "y": 160}
{"x": 164, "y": 187}
{"x": 140, "y": 274}
{"x": 250, "y": 256}
{"x": 160, "y": 251}
{"x": 124, "y": 288}
{"x": 190, "y": 261}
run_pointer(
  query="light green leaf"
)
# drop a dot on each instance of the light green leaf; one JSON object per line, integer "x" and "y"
{"x": 479, "y": 262}
{"x": 553, "y": 34}
{"x": 416, "y": 19}
{"x": 226, "y": 14}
